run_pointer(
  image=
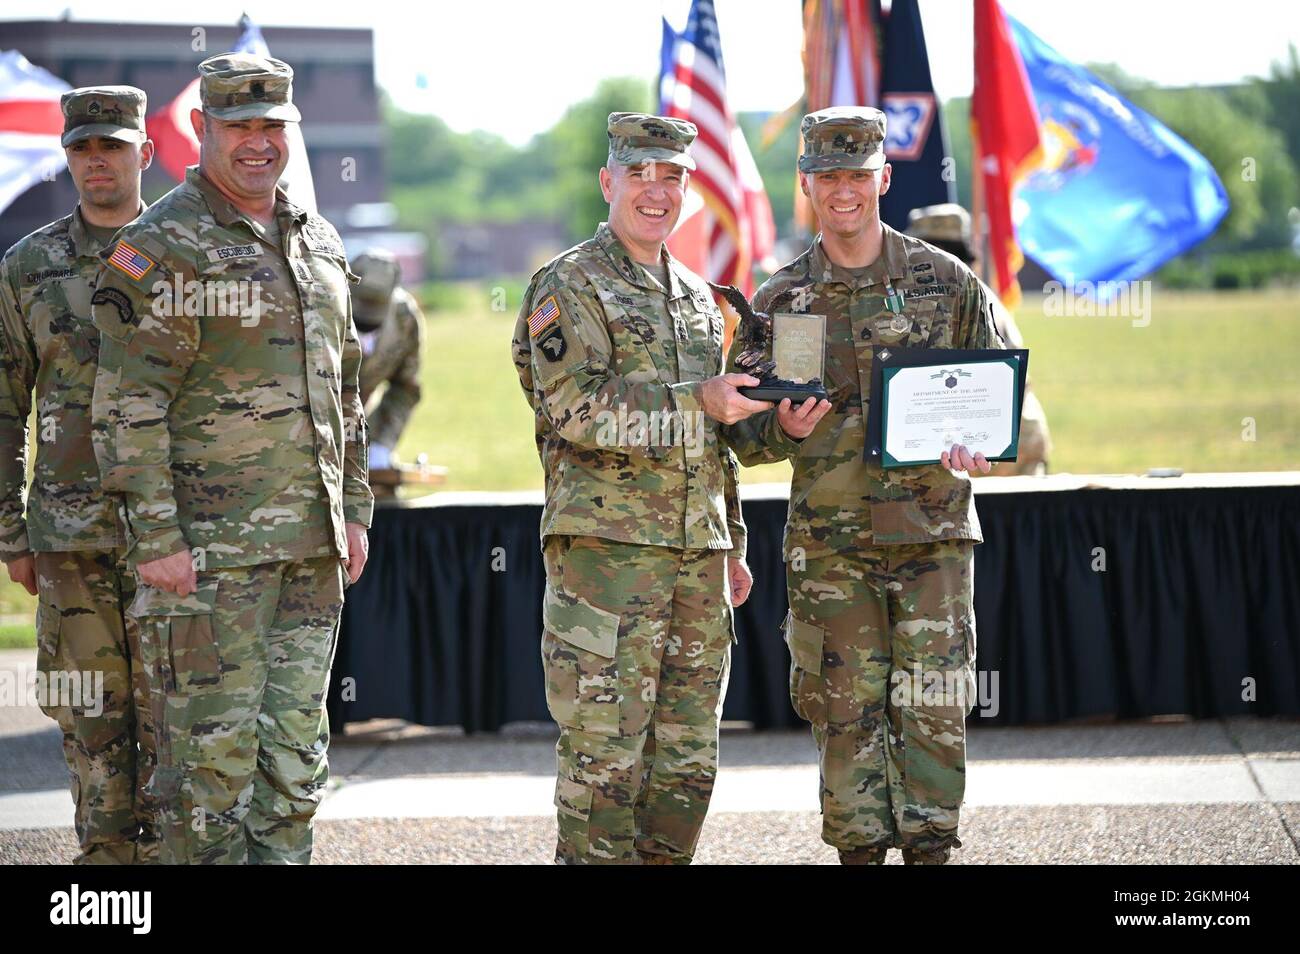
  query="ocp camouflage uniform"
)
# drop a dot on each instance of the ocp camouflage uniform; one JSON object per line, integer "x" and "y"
{"x": 636, "y": 532}
{"x": 237, "y": 432}
{"x": 391, "y": 328}
{"x": 49, "y": 350}
{"x": 879, "y": 564}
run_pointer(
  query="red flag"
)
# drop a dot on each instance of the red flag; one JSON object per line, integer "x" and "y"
{"x": 1006, "y": 144}
{"x": 174, "y": 142}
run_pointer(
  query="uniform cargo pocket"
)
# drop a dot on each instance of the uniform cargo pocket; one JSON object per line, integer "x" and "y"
{"x": 808, "y": 693}
{"x": 49, "y": 621}
{"x": 578, "y": 649}
{"x": 184, "y": 635}
{"x": 805, "y": 643}
{"x": 573, "y": 817}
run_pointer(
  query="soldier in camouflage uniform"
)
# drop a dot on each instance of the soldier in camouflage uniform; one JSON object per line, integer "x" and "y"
{"x": 391, "y": 327}
{"x": 947, "y": 227}
{"x": 68, "y": 548}
{"x": 619, "y": 352}
{"x": 227, "y": 416}
{"x": 879, "y": 562}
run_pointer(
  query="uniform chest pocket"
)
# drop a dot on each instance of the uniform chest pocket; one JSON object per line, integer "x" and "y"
{"x": 82, "y": 339}
{"x": 61, "y": 322}
{"x": 910, "y": 328}
{"x": 636, "y": 336}
{"x": 841, "y": 371}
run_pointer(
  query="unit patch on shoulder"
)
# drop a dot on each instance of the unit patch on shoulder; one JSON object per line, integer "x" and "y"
{"x": 118, "y": 299}
{"x": 130, "y": 261}
{"x": 554, "y": 345}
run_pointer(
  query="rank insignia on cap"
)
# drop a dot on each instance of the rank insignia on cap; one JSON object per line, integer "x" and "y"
{"x": 130, "y": 261}
{"x": 545, "y": 315}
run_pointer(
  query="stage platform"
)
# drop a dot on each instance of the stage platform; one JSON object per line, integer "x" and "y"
{"x": 1194, "y": 614}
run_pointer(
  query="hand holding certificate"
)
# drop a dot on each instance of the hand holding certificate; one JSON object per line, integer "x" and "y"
{"x": 926, "y": 400}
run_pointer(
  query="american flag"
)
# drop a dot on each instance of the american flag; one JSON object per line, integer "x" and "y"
{"x": 726, "y": 224}
{"x": 127, "y": 259}
{"x": 546, "y": 313}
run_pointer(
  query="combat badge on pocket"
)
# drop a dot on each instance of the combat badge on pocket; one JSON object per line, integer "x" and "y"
{"x": 189, "y": 658}
{"x": 578, "y": 649}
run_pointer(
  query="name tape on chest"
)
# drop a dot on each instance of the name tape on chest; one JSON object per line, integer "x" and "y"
{"x": 322, "y": 241}
{"x": 931, "y": 291}
{"x": 234, "y": 251}
{"x": 49, "y": 274}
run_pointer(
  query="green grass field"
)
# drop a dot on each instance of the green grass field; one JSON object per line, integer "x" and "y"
{"x": 1119, "y": 398}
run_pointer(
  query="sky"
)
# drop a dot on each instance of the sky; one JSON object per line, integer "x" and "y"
{"x": 512, "y": 66}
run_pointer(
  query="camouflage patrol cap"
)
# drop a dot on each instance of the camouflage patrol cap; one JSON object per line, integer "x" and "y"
{"x": 843, "y": 137}
{"x": 945, "y": 222}
{"x": 245, "y": 86}
{"x": 635, "y": 138}
{"x": 112, "y": 112}
{"x": 379, "y": 273}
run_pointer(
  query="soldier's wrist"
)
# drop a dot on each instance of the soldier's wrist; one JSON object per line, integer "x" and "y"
{"x": 156, "y": 544}
{"x": 782, "y": 438}
{"x": 359, "y": 511}
{"x": 687, "y": 397}
{"x": 14, "y": 545}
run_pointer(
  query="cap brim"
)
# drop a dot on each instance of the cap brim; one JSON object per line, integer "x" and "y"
{"x": 102, "y": 131}
{"x": 872, "y": 162}
{"x": 634, "y": 157}
{"x": 286, "y": 112}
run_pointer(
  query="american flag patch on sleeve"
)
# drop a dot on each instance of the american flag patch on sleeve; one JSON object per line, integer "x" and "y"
{"x": 545, "y": 315}
{"x": 130, "y": 261}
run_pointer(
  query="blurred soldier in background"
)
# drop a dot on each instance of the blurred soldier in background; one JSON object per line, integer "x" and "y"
{"x": 391, "y": 328}
{"x": 68, "y": 548}
{"x": 947, "y": 227}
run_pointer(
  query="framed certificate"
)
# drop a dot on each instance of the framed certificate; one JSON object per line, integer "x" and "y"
{"x": 924, "y": 400}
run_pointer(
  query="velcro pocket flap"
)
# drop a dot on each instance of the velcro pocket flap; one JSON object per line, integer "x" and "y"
{"x": 805, "y": 641}
{"x": 580, "y": 624}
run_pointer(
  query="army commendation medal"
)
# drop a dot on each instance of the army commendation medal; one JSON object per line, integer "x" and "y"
{"x": 796, "y": 342}
{"x": 925, "y": 400}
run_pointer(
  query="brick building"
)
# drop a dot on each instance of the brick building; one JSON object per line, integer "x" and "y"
{"x": 334, "y": 87}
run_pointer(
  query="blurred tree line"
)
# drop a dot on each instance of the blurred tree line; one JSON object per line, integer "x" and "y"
{"x": 1249, "y": 132}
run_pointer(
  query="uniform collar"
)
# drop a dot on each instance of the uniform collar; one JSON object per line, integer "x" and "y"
{"x": 224, "y": 211}
{"x": 633, "y": 271}
{"x": 82, "y": 241}
{"x": 892, "y": 263}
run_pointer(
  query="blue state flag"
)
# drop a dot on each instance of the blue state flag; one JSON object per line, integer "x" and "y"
{"x": 914, "y": 135}
{"x": 1118, "y": 193}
